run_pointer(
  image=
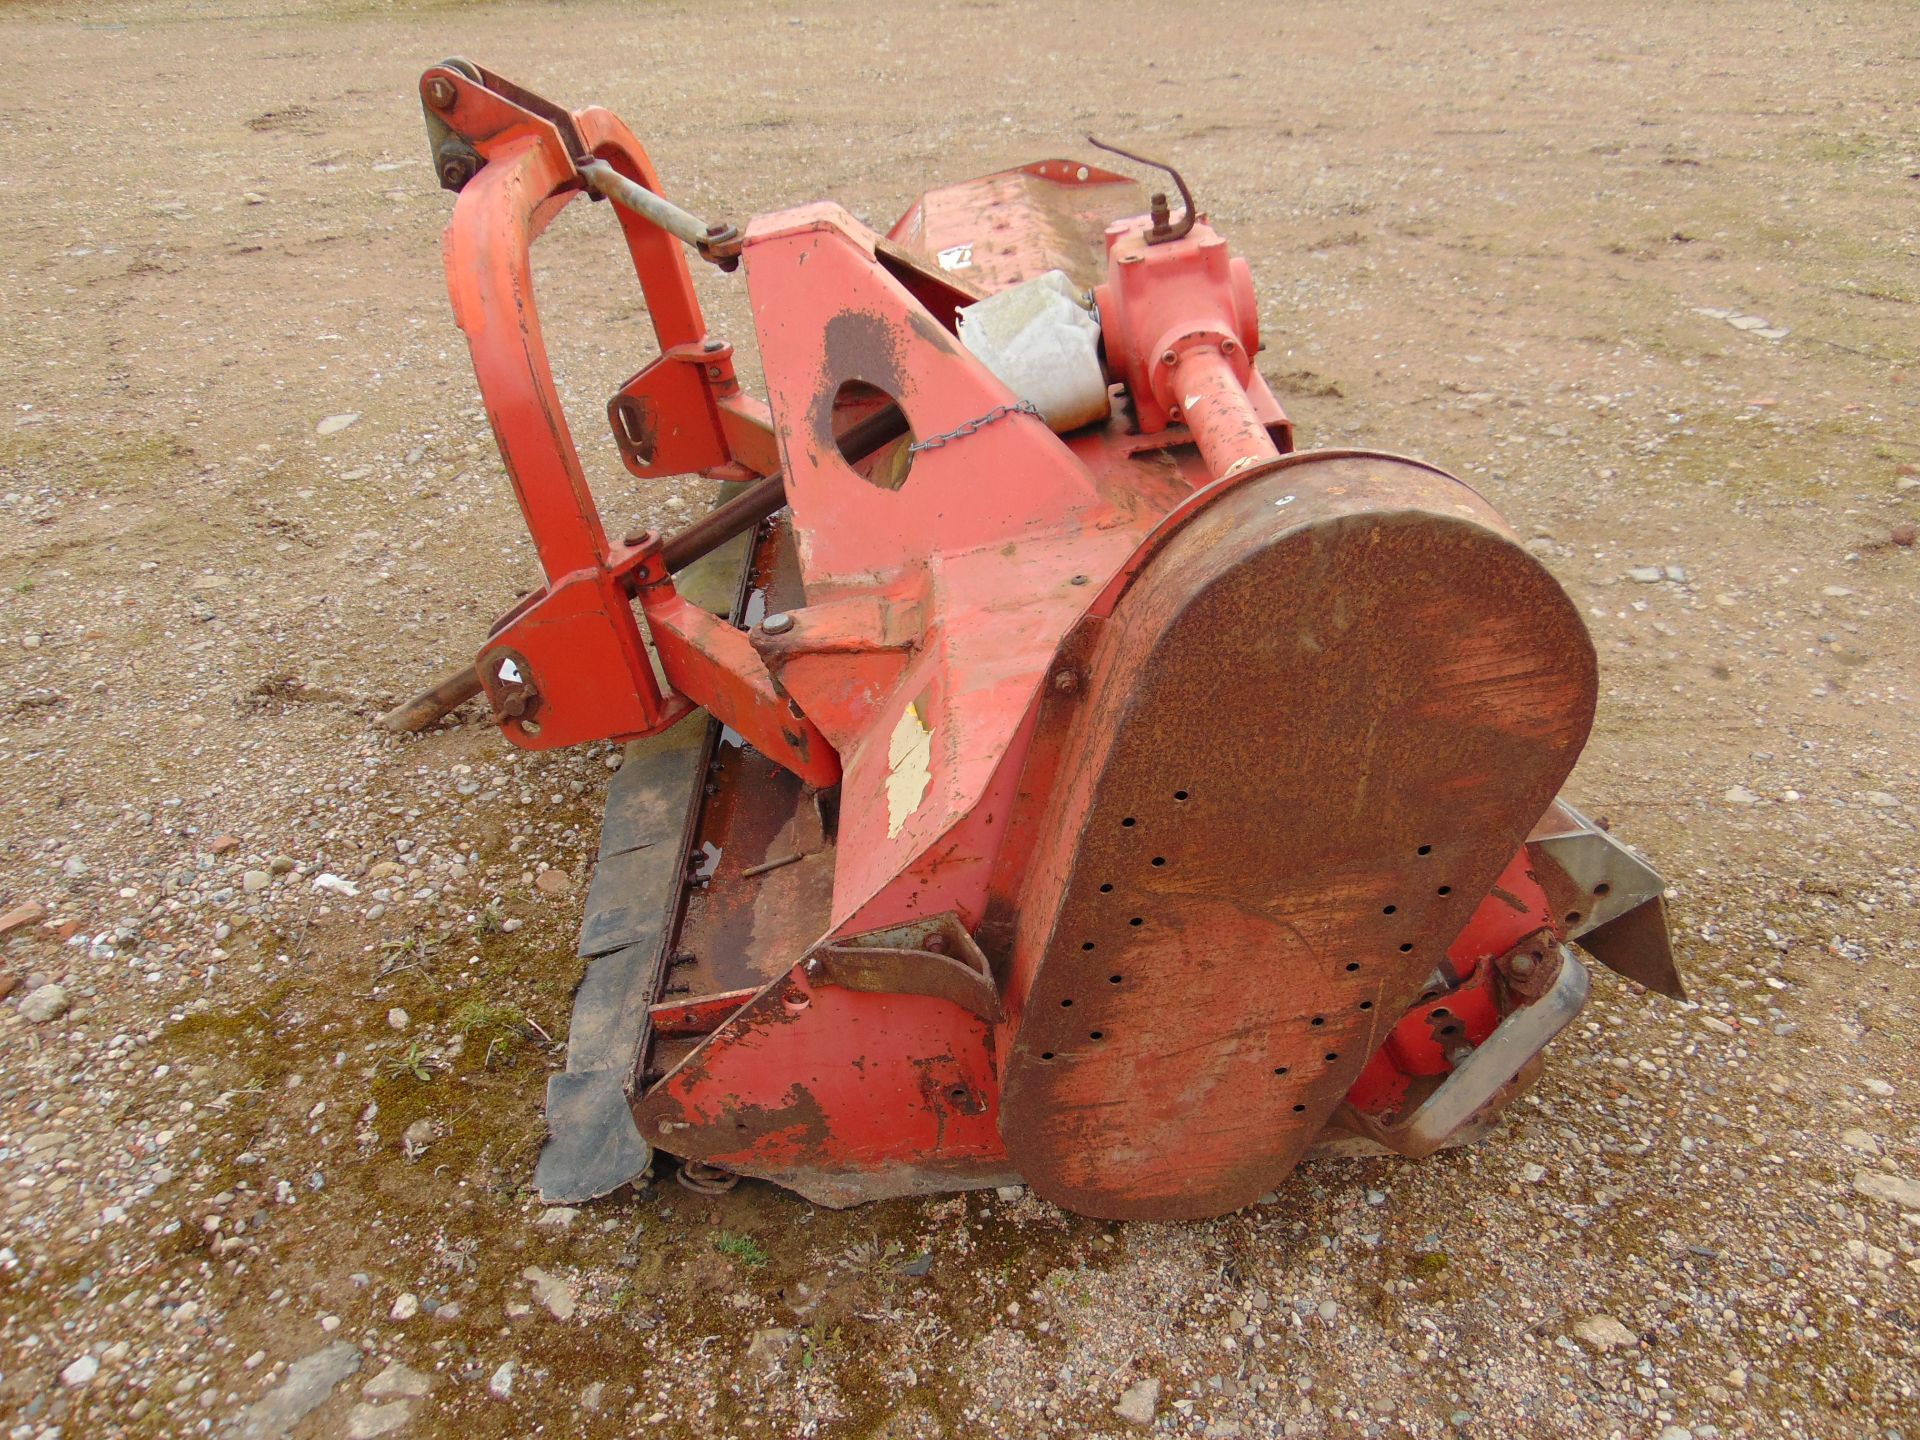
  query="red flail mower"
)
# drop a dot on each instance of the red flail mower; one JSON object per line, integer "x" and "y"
{"x": 1037, "y": 770}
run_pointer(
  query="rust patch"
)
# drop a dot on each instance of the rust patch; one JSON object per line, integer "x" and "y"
{"x": 798, "y": 1123}
{"x": 1509, "y": 899}
{"x": 932, "y": 332}
{"x": 859, "y": 345}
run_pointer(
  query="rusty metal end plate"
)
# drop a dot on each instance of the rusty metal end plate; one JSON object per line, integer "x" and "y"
{"x": 1314, "y": 732}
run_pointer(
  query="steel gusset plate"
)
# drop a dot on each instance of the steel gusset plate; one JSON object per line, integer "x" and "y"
{"x": 1612, "y": 902}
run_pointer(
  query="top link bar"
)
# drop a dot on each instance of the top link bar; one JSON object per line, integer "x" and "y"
{"x": 719, "y": 244}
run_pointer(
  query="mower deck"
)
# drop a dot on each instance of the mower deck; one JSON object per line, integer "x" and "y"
{"x": 1097, "y": 791}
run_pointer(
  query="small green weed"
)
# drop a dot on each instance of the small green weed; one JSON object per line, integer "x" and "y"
{"x": 416, "y": 1060}
{"x": 742, "y": 1248}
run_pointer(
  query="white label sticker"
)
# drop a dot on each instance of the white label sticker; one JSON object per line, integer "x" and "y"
{"x": 909, "y": 768}
{"x": 956, "y": 257}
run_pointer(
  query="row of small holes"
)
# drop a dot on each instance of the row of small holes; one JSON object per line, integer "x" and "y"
{"x": 1091, "y": 1035}
{"x": 1107, "y": 889}
{"x": 1159, "y": 860}
{"x": 1353, "y": 967}
{"x": 1130, "y": 821}
{"x": 1332, "y": 1055}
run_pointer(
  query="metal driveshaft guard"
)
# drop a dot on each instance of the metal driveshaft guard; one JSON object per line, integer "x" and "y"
{"x": 1311, "y": 734}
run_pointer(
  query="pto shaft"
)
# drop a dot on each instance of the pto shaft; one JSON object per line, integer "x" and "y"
{"x": 1213, "y": 402}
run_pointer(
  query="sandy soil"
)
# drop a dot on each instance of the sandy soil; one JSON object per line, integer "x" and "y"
{"x": 1527, "y": 242}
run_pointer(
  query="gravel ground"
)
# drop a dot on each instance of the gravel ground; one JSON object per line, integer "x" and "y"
{"x": 281, "y": 992}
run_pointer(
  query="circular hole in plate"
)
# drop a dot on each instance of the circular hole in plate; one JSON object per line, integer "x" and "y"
{"x": 1404, "y": 949}
{"x": 1366, "y": 1004}
{"x": 1332, "y": 1055}
{"x": 1449, "y": 1029}
{"x": 1096, "y": 1035}
{"x": 1107, "y": 889}
{"x": 1299, "y": 1109}
{"x": 1066, "y": 1004}
{"x": 1138, "y": 920}
{"x": 1424, "y": 850}
{"x": 1128, "y": 823}
{"x": 1602, "y": 888}
{"x": 1573, "y": 917}
{"x": 1279, "y": 1069}
{"x": 856, "y": 401}
{"x": 1352, "y": 965}
{"x": 1159, "y": 860}
{"x": 1046, "y": 1054}
{"x": 1319, "y": 1020}
{"x": 1389, "y": 909}
{"x": 1444, "y": 890}
{"x": 1180, "y": 795}
{"x": 1442, "y": 1013}
{"x": 1086, "y": 944}
{"x": 1113, "y": 979}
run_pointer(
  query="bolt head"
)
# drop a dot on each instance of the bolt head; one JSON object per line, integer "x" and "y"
{"x": 778, "y": 623}
{"x": 440, "y": 93}
{"x": 1521, "y": 965}
{"x": 1167, "y": 357}
{"x": 1065, "y": 682}
{"x": 714, "y": 347}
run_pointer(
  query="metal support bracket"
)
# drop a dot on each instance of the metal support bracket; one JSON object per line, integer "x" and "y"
{"x": 1477, "y": 1081}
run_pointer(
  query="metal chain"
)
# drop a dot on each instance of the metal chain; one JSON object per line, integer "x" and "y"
{"x": 960, "y": 432}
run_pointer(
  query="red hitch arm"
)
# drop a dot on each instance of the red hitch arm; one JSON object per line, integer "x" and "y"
{"x": 571, "y": 663}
